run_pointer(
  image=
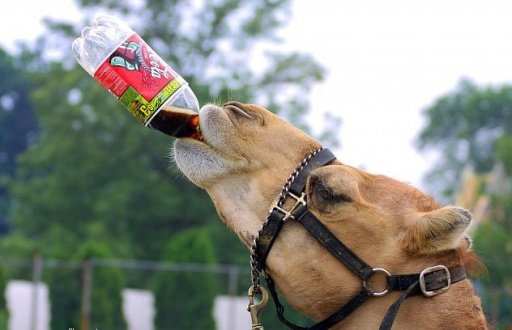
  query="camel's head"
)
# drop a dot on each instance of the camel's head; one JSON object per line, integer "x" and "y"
{"x": 245, "y": 156}
{"x": 243, "y": 160}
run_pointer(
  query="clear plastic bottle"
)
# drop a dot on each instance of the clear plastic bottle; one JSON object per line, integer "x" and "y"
{"x": 132, "y": 72}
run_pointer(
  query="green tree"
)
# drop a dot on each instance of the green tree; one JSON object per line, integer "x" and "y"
{"x": 184, "y": 299}
{"x": 18, "y": 125}
{"x": 107, "y": 286}
{"x": 99, "y": 168}
{"x": 462, "y": 127}
{"x": 493, "y": 241}
{"x": 503, "y": 154}
{"x": 96, "y": 173}
{"x": 64, "y": 295}
{"x": 4, "y": 313}
{"x": 65, "y": 282}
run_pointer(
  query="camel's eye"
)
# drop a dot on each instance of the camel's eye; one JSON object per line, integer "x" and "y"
{"x": 322, "y": 193}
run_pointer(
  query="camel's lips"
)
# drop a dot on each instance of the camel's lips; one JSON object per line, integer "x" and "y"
{"x": 178, "y": 122}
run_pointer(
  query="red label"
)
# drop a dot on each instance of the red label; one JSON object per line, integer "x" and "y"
{"x": 139, "y": 78}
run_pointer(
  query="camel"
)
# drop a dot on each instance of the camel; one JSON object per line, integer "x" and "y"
{"x": 244, "y": 156}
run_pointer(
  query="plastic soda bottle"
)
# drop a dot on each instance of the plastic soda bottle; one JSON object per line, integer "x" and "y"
{"x": 123, "y": 63}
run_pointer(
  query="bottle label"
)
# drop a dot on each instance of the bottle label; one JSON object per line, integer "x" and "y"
{"x": 139, "y": 78}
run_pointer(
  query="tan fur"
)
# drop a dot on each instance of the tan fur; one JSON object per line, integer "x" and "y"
{"x": 249, "y": 153}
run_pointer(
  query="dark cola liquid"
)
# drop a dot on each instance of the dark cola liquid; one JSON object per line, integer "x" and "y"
{"x": 177, "y": 122}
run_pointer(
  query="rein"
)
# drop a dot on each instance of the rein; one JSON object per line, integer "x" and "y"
{"x": 430, "y": 282}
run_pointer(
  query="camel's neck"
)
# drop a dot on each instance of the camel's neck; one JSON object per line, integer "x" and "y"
{"x": 459, "y": 308}
{"x": 245, "y": 210}
{"x": 316, "y": 284}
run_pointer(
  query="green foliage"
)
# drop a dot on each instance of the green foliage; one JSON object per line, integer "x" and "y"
{"x": 4, "y": 313}
{"x": 503, "y": 154}
{"x": 17, "y": 122}
{"x": 493, "y": 242}
{"x": 123, "y": 196}
{"x": 66, "y": 286}
{"x": 463, "y": 127}
{"x": 102, "y": 174}
{"x": 184, "y": 299}
{"x": 107, "y": 284}
{"x": 16, "y": 112}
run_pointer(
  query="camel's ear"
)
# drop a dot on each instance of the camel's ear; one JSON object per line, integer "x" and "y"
{"x": 438, "y": 230}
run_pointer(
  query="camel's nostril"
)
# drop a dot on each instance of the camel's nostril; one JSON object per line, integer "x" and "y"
{"x": 238, "y": 109}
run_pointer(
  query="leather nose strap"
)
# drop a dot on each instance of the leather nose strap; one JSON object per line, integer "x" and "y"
{"x": 274, "y": 222}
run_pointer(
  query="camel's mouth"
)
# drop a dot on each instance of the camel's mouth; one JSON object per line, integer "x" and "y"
{"x": 213, "y": 126}
{"x": 196, "y": 134}
{"x": 216, "y": 145}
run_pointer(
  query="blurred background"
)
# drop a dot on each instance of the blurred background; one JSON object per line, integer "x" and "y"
{"x": 99, "y": 230}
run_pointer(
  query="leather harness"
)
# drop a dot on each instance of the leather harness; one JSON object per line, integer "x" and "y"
{"x": 430, "y": 282}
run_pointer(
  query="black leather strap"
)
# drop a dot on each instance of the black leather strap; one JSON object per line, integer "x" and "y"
{"x": 332, "y": 243}
{"x": 433, "y": 281}
{"x": 322, "y": 158}
{"x": 387, "y": 322}
{"x": 267, "y": 236}
{"x": 274, "y": 222}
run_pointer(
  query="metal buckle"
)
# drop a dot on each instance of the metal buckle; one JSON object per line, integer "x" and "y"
{"x": 381, "y": 293}
{"x": 288, "y": 213}
{"x": 429, "y": 270}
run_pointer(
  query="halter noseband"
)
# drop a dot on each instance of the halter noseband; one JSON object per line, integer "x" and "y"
{"x": 430, "y": 282}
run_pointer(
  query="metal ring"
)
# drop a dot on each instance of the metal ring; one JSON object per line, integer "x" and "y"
{"x": 381, "y": 293}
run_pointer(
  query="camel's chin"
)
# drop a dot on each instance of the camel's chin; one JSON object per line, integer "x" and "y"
{"x": 198, "y": 162}
{"x": 201, "y": 164}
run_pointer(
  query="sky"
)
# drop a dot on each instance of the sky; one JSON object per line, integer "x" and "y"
{"x": 386, "y": 62}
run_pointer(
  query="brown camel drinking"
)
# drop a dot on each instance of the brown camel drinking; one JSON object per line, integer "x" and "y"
{"x": 244, "y": 156}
